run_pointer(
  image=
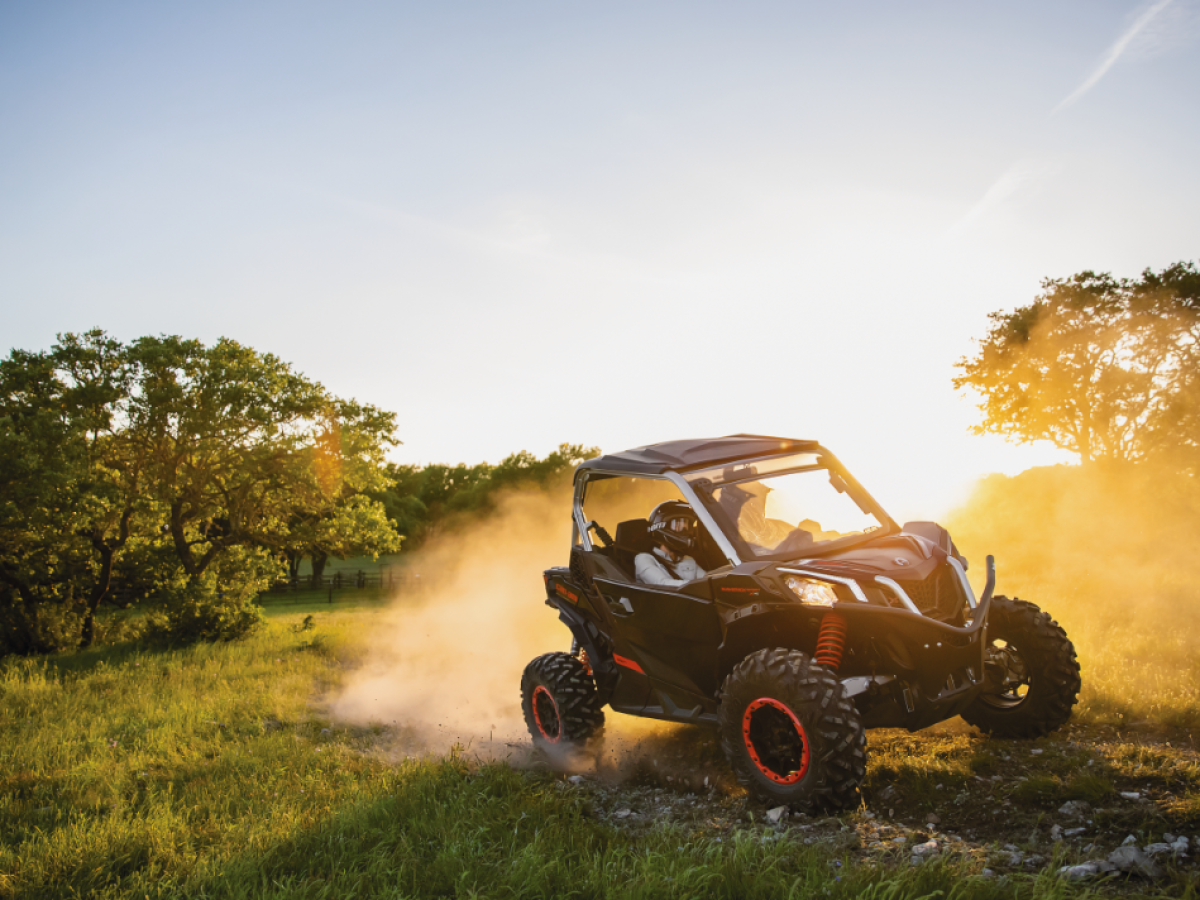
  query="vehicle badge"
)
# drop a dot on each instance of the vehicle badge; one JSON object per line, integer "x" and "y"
{"x": 900, "y": 561}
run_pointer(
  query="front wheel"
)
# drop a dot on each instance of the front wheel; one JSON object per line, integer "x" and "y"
{"x": 791, "y": 734}
{"x": 1031, "y": 672}
{"x": 562, "y": 709}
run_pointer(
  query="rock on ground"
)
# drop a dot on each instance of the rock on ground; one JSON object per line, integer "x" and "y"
{"x": 1133, "y": 861}
{"x": 1081, "y": 872}
{"x": 1078, "y": 808}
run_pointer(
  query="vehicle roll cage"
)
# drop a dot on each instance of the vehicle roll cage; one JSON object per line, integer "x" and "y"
{"x": 581, "y": 533}
{"x": 686, "y": 487}
{"x": 579, "y": 527}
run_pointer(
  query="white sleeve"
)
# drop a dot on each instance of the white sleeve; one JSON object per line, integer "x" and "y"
{"x": 650, "y": 571}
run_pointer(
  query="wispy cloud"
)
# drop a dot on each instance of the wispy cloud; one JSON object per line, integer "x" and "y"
{"x": 1020, "y": 179}
{"x": 1115, "y": 52}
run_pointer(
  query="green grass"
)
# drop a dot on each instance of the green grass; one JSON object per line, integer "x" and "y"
{"x": 394, "y": 561}
{"x": 209, "y": 772}
{"x": 342, "y": 599}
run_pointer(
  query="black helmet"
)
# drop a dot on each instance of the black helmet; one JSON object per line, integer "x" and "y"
{"x": 673, "y": 523}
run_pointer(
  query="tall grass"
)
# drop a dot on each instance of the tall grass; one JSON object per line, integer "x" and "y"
{"x": 210, "y": 772}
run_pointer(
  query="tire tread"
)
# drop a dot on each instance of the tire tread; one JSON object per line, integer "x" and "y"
{"x": 573, "y": 690}
{"x": 1055, "y": 687}
{"x": 841, "y": 762}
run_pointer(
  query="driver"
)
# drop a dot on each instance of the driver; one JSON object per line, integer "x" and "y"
{"x": 673, "y": 531}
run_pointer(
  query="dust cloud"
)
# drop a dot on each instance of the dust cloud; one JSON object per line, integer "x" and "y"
{"x": 1116, "y": 539}
{"x": 443, "y": 665}
{"x": 1111, "y": 553}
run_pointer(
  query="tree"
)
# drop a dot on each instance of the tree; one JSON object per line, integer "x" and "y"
{"x": 247, "y": 452}
{"x": 348, "y": 462}
{"x": 1102, "y": 367}
{"x": 420, "y": 499}
{"x": 69, "y": 489}
{"x": 1174, "y": 429}
{"x": 205, "y": 461}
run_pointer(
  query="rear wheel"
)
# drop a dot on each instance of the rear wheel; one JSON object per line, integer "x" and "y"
{"x": 558, "y": 697}
{"x": 1031, "y": 670}
{"x": 790, "y": 733}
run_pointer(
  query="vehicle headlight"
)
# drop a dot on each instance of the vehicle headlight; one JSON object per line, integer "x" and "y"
{"x": 811, "y": 593}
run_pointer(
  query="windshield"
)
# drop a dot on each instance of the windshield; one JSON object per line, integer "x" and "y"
{"x": 788, "y": 507}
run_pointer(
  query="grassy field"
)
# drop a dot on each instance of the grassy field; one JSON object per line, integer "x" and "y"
{"x": 210, "y": 772}
{"x": 342, "y": 599}
{"x": 396, "y": 561}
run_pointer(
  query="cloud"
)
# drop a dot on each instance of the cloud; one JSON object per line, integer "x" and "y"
{"x": 1115, "y": 52}
{"x": 1020, "y": 178}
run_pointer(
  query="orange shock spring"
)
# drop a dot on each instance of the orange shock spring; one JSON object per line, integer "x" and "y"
{"x": 831, "y": 640}
{"x": 587, "y": 663}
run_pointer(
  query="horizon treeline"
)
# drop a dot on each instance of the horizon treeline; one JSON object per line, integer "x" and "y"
{"x": 421, "y": 500}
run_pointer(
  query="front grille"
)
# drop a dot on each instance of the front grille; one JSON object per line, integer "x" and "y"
{"x": 923, "y": 593}
{"x": 939, "y": 596}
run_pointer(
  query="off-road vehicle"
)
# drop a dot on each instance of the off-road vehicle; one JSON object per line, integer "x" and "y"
{"x": 818, "y": 617}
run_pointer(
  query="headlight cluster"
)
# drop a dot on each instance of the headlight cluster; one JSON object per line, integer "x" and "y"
{"x": 811, "y": 593}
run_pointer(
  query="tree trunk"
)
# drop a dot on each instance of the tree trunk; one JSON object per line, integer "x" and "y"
{"x": 103, "y": 580}
{"x": 318, "y": 568}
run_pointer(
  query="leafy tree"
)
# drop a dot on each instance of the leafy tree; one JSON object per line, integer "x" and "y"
{"x": 248, "y": 452}
{"x": 206, "y": 463}
{"x": 1174, "y": 428}
{"x": 1102, "y": 367}
{"x": 421, "y": 499}
{"x": 69, "y": 489}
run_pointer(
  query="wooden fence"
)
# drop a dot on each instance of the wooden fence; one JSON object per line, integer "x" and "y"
{"x": 339, "y": 581}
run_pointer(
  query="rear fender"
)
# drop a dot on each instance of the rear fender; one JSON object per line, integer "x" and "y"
{"x": 588, "y": 636}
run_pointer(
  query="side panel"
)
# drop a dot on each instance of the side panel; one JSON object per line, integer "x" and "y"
{"x": 621, "y": 681}
{"x": 674, "y": 637}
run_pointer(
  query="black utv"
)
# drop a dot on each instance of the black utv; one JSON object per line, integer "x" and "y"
{"x": 815, "y": 616}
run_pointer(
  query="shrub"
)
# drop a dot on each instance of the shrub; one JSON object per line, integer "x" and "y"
{"x": 41, "y": 628}
{"x": 203, "y": 610}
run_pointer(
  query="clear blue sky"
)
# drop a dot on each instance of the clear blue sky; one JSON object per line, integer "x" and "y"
{"x": 519, "y": 224}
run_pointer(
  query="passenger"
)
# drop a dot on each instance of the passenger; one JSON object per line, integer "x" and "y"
{"x": 756, "y": 529}
{"x": 673, "y": 530}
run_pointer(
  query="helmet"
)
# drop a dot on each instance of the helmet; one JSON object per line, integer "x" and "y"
{"x": 673, "y": 523}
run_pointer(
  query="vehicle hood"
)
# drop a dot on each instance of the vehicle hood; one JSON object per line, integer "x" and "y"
{"x": 903, "y": 557}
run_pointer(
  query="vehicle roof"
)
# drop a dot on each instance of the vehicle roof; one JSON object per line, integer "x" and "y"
{"x": 675, "y": 456}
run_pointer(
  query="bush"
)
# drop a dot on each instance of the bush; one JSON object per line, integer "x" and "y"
{"x": 202, "y": 610}
{"x": 43, "y": 628}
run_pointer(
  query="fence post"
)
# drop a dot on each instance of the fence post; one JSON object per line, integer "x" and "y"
{"x": 331, "y": 592}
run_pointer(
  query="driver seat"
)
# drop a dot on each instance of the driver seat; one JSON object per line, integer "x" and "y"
{"x": 633, "y": 537}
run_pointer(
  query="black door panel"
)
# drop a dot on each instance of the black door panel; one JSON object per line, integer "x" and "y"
{"x": 674, "y": 636}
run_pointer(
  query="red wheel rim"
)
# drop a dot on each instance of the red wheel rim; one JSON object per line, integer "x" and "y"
{"x": 542, "y": 697}
{"x": 772, "y": 746}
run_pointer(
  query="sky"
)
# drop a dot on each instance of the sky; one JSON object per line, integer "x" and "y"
{"x": 523, "y": 224}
